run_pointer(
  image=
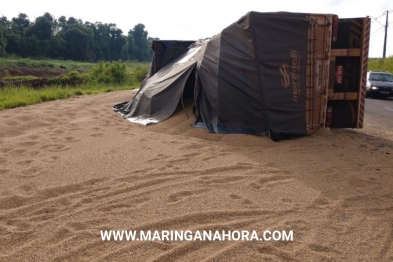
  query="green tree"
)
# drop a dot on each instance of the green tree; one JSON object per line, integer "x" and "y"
{"x": 43, "y": 28}
{"x": 35, "y": 47}
{"x": 4, "y": 21}
{"x": 14, "y": 44}
{"x": 78, "y": 40}
{"x": 141, "y": 48}
{"x": 20, "y": 23}
{"x": 130, "y": 48}
{"x": 16, "y": 31}
{"x": 101, "y": 47}
{"x": 38, "y": 35}
{"x": 62, "y": 22}
{"x": 117, "y": 42}
{"x": 72, "y": 39}
{"x": 57, "y": 47}
{"x": 3, "y": 35}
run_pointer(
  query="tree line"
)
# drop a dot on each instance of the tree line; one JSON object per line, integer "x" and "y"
{"x": 72, "y": 39}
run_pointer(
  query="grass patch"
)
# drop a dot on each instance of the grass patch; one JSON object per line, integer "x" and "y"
{"x": 11, "y": 97}
{"x": 98, "y": 78}
{"x": 120, "y": 73}
{"x": 19, "y": 78}
{"x": 15, "y": 62}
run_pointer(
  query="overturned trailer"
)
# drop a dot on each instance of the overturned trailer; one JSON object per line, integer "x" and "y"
{"x": 282, "y": 74}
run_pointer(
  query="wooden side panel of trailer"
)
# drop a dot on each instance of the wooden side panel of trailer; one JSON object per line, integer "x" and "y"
{"x": 318, "y": 66}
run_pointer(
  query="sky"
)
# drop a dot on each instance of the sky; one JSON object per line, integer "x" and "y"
{"x": 192, "y": 20}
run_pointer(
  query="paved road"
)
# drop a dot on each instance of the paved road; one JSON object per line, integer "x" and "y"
{"x": 380, "y": 111}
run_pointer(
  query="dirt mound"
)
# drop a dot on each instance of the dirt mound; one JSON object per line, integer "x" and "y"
{"x": 28, "y": 71}
{"x": 34, "y": 83}
{"x": 43, "y": 74}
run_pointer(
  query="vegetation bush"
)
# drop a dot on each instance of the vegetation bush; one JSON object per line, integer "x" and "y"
{"x": 72, "y": 78}
{"x": 381, "y": 64}
{"x": 102, "y": 73}
{"x": 105, "y": 72}
{"x": 140, "y": 73}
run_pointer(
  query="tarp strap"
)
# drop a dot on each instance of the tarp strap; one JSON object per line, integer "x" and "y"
{"x": 182, "y": 103}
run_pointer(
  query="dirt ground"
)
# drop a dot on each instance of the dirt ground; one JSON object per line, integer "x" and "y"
{"x": 71, "y": 168}
{"x": 42, "y": 74}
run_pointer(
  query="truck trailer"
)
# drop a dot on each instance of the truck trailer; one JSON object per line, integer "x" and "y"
{"x": 282, "y": 74}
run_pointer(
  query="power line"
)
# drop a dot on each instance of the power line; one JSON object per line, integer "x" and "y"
{"x": 383, "y": 14}
{"x": 376, "y": 19}
{"x": 384, "y": 26}
{"x": 377, "y": 30}
{"x": 380, "y": 23}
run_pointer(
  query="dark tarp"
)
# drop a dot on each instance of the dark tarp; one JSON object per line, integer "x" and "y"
{"x": 250, "y": 79}
{"x": 160, "y": 93}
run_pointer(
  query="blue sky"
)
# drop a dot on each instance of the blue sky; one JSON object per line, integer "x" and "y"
{"x": 190, "y": 20}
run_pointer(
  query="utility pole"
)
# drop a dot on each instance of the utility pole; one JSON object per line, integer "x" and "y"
{"x": 386, "y": 33}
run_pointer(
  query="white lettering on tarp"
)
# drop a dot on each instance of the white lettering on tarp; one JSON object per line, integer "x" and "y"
{"x": 290, "y": 76}
{"x": 295, "y": 75}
